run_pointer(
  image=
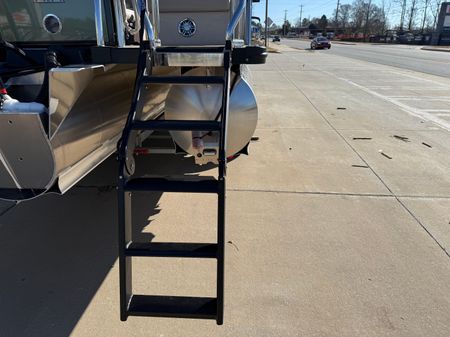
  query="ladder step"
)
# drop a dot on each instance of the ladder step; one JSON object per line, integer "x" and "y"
{"x": 172, "y": 249}
{"x": 166, "y": 185}
{"x": 183, "y": 79}
{"x": 218, "y": 50}
{"x": 173, "y": 306}
{"x": 177, "y": 125}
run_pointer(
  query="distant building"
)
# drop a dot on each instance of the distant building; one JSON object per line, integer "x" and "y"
{"x": 442, "y": 34}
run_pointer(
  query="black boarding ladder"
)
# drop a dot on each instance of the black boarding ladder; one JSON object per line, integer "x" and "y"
{"x": 172, "y": 306}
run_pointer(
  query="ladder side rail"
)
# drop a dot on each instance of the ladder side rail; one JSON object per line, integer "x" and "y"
{"x": 225, "y": 111}
{"x": 136, "y": 93}
{"x": 125, "y": 262}
{"x": 141, "y": 65}
{"x": 221, "y": 202}
{"x": 124, "y": 209}
{"x": 124, "y": 198}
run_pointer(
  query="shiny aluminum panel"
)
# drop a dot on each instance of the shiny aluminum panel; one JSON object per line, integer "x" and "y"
{"x": 190, "y": 59}
{"x": 25, "y": 151}
{"x": 89, "y": 106}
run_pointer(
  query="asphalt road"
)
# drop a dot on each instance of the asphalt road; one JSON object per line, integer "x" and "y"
{"x": 400, "y": 56}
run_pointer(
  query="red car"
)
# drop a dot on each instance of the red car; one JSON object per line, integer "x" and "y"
{"x": 320, "y": 43}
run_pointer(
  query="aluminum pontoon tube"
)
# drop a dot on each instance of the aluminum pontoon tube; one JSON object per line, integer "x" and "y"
{"x": 42, "y": 151}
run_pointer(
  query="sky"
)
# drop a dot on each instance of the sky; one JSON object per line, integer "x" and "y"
{"x": 311, "y": 8}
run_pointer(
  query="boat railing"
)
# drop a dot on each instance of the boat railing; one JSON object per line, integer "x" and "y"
{"x": 149, "y": 26}
{"x": 151, "y": 29}
{"x": 98, "y": 8}
{"x": 236, "y": 17}
{"x": 120, "y": 15}
{"x": 156, "y": 18}
{"x": 153, "y": 25}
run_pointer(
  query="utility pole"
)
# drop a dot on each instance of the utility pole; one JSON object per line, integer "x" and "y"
{"x": 267, "y": 23}
{"x": 337, "y": 12}
{"x": 301, "y": 14}
{"x": 285, "y": 20}
{"x": 337, "y": 17}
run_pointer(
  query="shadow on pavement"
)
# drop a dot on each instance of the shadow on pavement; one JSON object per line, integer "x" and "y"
{"x": 55, "y": 251}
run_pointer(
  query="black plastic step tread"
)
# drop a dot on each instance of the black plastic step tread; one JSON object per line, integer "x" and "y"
{"x": 249, "y": 55}
{"x": 173, "y": 306}
{"x": 177, "y": 125}
{"x": 183, "y": 79}
{"x": 169, "y": 185}
{"x": 209, "y": 50}
{"x": 172, "y": 249}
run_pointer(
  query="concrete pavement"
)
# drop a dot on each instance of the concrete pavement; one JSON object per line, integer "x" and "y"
{"x": 327, "y": 236}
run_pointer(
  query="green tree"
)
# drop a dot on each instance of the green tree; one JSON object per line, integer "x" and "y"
{"x": 286, "y": 27}
{"x": 323, "y": 23}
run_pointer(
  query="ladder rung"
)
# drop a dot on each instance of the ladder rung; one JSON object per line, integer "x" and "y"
{"x": 183, "y": 79}
{"x": 173, "y": 306}
{"x": 172, "y": 249}
{"x": 177, "y": 125}
{"x": 166, "y": 185}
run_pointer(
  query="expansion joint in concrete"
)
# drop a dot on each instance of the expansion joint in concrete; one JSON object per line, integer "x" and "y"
{"x": 392, "y": 194}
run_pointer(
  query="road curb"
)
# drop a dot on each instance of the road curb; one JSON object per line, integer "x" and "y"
{"x": 344, "y": 43}
{"x": 445, "y": 50}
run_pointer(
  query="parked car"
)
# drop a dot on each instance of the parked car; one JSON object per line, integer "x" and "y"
{"x": 276, "y": 38}
{"x": 320, "y": 43}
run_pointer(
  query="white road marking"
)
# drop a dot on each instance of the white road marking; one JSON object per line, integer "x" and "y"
{"x": 422, "y": 98}
{"x": 437, "y": 110}
{"x": 422, "y": 114}
{"x": 421, "y": 79}
{"x": 411, "y": 110}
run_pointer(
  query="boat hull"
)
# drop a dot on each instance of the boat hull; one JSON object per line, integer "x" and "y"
{"x": 88, "y": 106}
